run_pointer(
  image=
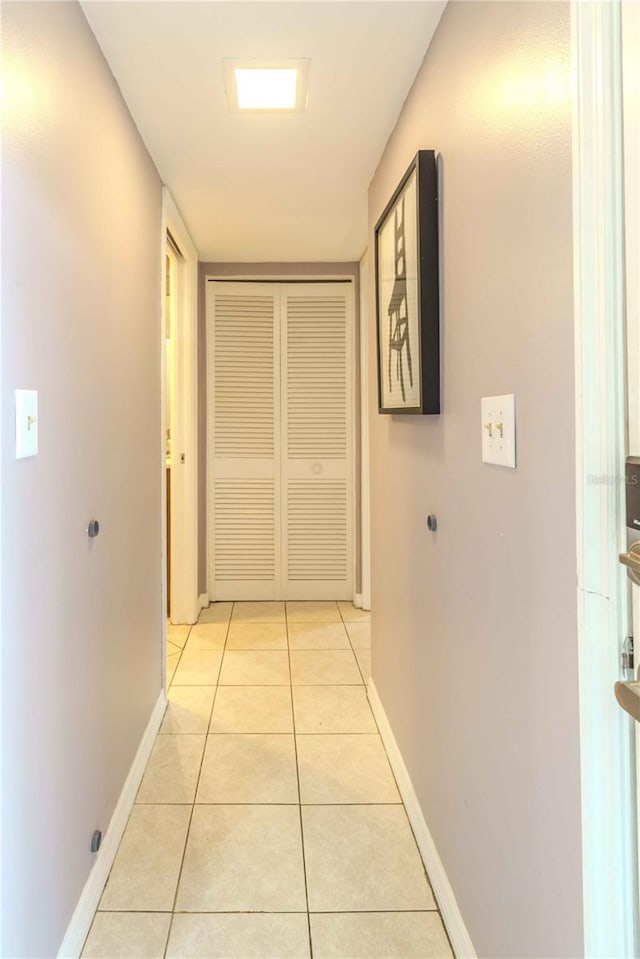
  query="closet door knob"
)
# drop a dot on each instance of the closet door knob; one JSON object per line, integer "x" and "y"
{"x": 317, "y": 468}
{"x": 93, "y": 529}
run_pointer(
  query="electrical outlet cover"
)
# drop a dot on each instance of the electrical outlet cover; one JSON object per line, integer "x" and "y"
{"x": 499, "y": 430}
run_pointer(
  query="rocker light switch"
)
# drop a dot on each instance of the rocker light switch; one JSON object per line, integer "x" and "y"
{"x": 499, "y": 430}
{"x": 26, "y": 423}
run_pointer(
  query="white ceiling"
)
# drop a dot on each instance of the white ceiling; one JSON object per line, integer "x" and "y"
{"x": 259, "y": 188}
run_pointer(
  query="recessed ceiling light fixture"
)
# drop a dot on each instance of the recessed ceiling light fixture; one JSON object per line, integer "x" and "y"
{"x": 266, "y": 85}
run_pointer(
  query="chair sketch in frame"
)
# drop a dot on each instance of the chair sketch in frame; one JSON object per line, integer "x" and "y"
{"x": 397, "y": 310}
{"x": 407, "y": 292}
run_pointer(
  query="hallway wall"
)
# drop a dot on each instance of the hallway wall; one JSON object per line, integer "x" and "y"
{"x": 81, "y": 318}
{"x": 474, "y": 628}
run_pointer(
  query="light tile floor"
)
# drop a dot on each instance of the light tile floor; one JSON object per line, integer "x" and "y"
{"x": 268, "y": 823}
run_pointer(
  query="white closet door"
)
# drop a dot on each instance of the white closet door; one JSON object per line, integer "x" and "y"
{"x": 317, "y": 443}
{"x": 243, "y": 437}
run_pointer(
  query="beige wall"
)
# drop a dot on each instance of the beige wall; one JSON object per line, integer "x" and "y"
{"x": 268, "y": 271}
{"x": 474, "y": 628}
{"x": 81, "y": 313}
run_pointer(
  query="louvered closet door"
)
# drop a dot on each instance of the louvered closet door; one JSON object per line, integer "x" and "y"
{"x": 243, "y": 427}
{"x": 317, "y": 480}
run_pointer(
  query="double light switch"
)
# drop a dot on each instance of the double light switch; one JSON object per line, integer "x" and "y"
{"x": 499, "y": 430}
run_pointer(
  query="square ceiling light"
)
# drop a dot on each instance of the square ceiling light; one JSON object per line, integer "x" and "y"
{"x": 266, "y": 85}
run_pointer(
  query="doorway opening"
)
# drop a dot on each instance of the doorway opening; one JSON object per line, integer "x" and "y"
{"x": 172, "y": 258}
{"x": 179, "y": 375}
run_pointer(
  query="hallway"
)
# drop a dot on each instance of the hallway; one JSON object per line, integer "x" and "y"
{"x": 268, "y": 735}
{"x": 444, "y": 211}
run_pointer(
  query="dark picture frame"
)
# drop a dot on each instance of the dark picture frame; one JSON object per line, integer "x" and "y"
{"x": 407, "y": 293}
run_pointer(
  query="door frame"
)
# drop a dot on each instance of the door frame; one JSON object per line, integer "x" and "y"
{"x": 630, "y": 32}
{"x": 185, "y": 604}
{"x": 287, "y": 276}
{"x": 365, "y": 433}
{"x": 609, "y": 850}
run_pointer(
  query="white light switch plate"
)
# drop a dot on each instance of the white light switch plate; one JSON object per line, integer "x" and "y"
{"x": 26, "y": 423}
{"x": 499, "y": 430}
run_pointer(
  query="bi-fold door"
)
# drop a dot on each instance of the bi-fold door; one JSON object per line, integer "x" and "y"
{"x": 280, "y": 440}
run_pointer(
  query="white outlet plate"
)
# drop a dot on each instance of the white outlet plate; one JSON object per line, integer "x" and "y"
{"x": 499, "y": 430}
{"x": 26, "y": 423}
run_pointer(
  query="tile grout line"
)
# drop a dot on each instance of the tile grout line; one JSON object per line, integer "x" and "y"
{"x": 366, "y": 686}
{"x": 181, "y": 651}
{"x": 355, "y": 656}
{"x": 271, "y": 685}
{"x": 402, "y": 803}
{"x": 259, "y": 912}
{"x": 195, "y": 792}
{"x": 320, "y": 805}
{"x": 295, "y": 747}
{"x": 259, "y": 734}
{"x": 404, "y": 809}
{"x": 135, "y": 803}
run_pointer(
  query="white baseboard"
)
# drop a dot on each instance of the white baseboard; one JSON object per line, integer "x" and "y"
{"x": 82, "y": 918}
{"x": 451, "y": 915}
{"x": 203, "y": 599}
{"x": 357, "y": 600}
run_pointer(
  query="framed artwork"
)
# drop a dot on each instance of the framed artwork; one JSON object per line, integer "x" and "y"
{"x": 407, "y": 301}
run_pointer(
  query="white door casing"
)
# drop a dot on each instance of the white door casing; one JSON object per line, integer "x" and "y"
{"x": 631, "y": 126}
{"x": 279, "y": 440}
{"x": 185, "y": 605}
{"x": 609, "y": 854}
